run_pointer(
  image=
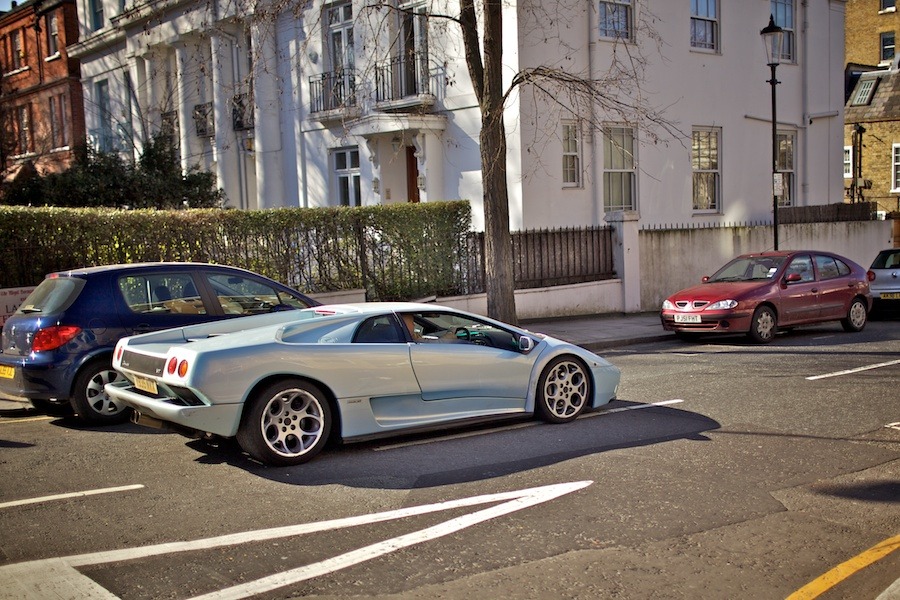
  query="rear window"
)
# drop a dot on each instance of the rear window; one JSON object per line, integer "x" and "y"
{"x": 161, "y": 292}
{"x": 887, "y": 259}
{"x": 53, "y": 295}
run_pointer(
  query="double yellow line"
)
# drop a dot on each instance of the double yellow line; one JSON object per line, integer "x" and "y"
{"x": 822, "y": 584}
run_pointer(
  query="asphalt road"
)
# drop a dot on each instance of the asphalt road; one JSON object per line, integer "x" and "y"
{"x": 724, "y": 470}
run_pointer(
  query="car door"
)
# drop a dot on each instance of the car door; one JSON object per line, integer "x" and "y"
{"x": 471, "y": 364}
{"x": 160, "y": 299}
{"x": 835, "y": 287}
{"x": 799, "y": 298}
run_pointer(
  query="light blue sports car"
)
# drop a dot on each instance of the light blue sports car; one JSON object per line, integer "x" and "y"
{"x": 283, "y": 383}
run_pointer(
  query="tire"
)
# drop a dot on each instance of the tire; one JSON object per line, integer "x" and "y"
{"x": 856, "y": 317}
{"x": 563, "y": 391}
{"x": 286, "y": 424}
{"x": 763, "y": 325}
{"x": 53, "y": 408}
{"x": 90, "y": 401}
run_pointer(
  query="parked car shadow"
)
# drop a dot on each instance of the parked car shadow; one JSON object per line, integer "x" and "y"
{"x": 474, "y": 453}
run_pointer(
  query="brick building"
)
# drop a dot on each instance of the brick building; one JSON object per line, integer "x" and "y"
{"x": 41, "y": 101}
{"x": 872, "y": 112}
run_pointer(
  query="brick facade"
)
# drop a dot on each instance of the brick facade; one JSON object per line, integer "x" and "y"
{"x": 41, "y": 101}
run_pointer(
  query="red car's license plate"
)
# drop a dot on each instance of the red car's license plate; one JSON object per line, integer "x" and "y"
{"x": 687, "y": 318}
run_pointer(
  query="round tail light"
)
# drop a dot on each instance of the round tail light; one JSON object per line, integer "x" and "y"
{"x": 870, "y": 276}
{"x": 173, "y": 364}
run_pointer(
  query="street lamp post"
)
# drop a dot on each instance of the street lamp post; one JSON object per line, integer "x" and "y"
{"x": 772, "y": 36}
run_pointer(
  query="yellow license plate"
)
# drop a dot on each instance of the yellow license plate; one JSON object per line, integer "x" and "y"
{"x": 7, "y": 372}
{"x": 145, "y": 385}
{"x": 890, "y": 295}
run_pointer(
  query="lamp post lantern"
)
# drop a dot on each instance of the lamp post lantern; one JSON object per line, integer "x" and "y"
{"x": 772, "y": 36}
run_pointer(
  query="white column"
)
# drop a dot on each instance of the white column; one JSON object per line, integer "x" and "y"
{"x": 187, "y": 96}
{"x": 428, "y": 144}
{"x": 267, "y": 116}
{"x": 226, "y": 148}
{"x": 627, "y": 256}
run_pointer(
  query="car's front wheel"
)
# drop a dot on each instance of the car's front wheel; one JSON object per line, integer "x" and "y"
{"x": 564, "y": 390}
{"x": 285, "y": 424}
{"x": 89, "y": 398}
{"x": 763, "y": 325}
{"x": 856, "y": 316}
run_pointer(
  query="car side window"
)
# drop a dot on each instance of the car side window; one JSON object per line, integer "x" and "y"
{"x": 240, "y": 295}
{"x": 446, "y": 328}
{"x": 379, "y": 330}
{"x": 161, "y": 293}
{"x": 828, "y": 267}
{"x": 802, "y": 265}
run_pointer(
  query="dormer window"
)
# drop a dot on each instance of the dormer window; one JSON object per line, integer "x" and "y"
{"x": 865, "y": 89}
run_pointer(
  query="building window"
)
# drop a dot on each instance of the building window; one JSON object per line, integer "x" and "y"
{"x": 23, "y": 121}
{"x": 103, "y": 133}
{"x": 848, "y": 162}
{"x": 888, "y": 5}
{"x": 887, "y": 46}
{"x": 346, "y": 175}
{"x": 865, "y": 89}
{"x": 618, "y": 169}
{"x": 895, "y": 167}
{"x": 783, "y": 12}
{"x": 59, "y": 125}
{"x": 705, "y": 24}
{"x": 616, "y": 19}
{"x": 706, "y": 169}
{"x": 52, "y": 35}
{"x": 571, "y": 155}
{"x": 96, "y": 14}
{"x": 18, "y": 51}
{"x": 341, "y": 54}
{"x": 785, "y": 166}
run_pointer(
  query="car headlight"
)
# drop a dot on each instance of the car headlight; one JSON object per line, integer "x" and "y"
{"x": 722, "y": 305}
{"x": 668, "y": 305}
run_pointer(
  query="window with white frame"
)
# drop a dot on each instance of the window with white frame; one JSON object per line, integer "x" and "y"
{"x": 412, "y": 50}
{"x": 888, "y": 5}
{"x": 341, "y": 55}
{"x": 103, "y": 133}
{"x": 96, "y": 14}
{"x": 887, "y": 46}
{"x": 706, "y": 169}
{"x": 571, "y": 154}
{"x": 619, "y": 168}
{"x": 705, "y": 24}
{"x": 18, "y": 51}
{"x": 616, "y": 19}
{"x": 23, "y": 121}
{"x": 52, "y": 35}
{"x": 895, "y": 167}
{"x": 783, "y": 13}
{"x": 785, "y": 165}
{"x": 346, "y": 176}
{"x": 848, "y": 162}
{"x": 865, "y": 89}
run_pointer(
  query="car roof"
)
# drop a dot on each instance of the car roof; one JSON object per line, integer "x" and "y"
{"x": 144, "y": 265}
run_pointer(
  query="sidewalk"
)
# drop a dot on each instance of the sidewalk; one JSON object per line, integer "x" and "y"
{"x": 599, "y": 332}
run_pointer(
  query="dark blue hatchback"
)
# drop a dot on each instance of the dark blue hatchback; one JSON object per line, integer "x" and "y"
{"x": 57, "y": 348}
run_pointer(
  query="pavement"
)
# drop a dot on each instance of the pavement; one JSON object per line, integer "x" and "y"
{"x": 604, "y": 331}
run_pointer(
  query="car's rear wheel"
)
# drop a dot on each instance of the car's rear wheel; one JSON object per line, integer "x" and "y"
{"x": 856, "y": 316}
{"x": 91, "y": 402}
{"x": 763, "y": 325}
{"x": 287, "y": 423}
{"x": 564, "y": 390}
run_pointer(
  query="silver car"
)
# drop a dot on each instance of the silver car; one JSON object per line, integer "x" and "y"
{"x": 284, "y": 383}
{"x": 884, "y": 280}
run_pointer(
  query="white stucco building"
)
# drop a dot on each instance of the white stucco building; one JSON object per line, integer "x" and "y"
{"x": 316, "y": 104}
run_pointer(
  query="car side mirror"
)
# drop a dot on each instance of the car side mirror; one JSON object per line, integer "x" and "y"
{"x": 705, "y": 278}
{"x": 792, "y": 278}
{"x": 526, "y": 344}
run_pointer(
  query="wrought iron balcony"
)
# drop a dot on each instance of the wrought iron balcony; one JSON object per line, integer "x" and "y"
{"x": 404, "y": 81}
{"x": 332, "y": 91}
{"x": 204, "y": 124}
{"x": 242, "y": 112}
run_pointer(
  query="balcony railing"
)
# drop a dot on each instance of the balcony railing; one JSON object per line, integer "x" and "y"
{"x": 204, "y": 124}
{"x": 242, "y": 112}
{"x": 402, "y": 77}
{"x": 332, "y": 91}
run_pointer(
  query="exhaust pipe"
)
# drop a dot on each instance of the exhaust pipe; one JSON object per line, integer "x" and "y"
{"x": 139, "y": 418}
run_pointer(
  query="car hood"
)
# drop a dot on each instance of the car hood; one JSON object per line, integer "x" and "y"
{"x": 723, "y": 290}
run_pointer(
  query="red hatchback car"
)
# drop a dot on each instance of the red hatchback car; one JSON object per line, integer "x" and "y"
{"x": 758, "y": 293}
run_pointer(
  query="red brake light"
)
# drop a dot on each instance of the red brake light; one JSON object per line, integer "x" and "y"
{"x": 170, "y": 368}
{"x": 51, "y": 338}
{"x": 870, "y": 276}
{"x": 119, "y": 351}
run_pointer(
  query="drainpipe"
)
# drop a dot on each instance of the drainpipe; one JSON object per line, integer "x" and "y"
{"x": 807, "y": 121}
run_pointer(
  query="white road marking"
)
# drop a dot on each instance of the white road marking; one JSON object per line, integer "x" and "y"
{"x": 111, "y": 490}
{"x": 58, "y": 577}
{"x": 893, "y": 426}
{"x": 468, "y": 434}
{"x": 856, "y": 370}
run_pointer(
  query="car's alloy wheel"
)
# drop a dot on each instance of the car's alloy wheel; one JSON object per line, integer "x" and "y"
{"x": 287, "y": 423}
{"x": 856, "y": 316}
{"x": 564, "y": 390}
{"x": 91, "y": 402}
{"x": 763, "y": 325}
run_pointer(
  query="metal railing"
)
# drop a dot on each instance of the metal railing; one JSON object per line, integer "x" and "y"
{"x": 332, "y": 91}
{"x": 402, "y": 77}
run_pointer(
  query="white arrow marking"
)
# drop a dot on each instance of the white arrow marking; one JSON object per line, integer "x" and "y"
{"x": 58, "y": 577}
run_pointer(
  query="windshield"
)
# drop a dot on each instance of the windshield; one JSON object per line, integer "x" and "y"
{"x": 748, "y": 268}
{"x": 887, "y": 259}
{"x": 52, "y": 295}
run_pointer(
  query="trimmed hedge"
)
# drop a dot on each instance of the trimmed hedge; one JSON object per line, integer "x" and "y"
{"x": 395, "y": 251}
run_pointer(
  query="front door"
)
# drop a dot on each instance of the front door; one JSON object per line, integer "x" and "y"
{"x": 412, "y": 175}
